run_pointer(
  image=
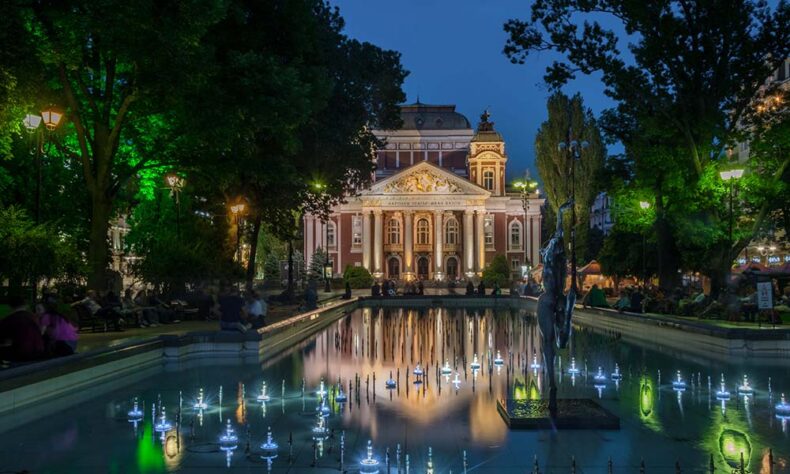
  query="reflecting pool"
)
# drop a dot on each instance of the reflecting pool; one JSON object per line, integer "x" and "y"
{"x": 279, "y": 417}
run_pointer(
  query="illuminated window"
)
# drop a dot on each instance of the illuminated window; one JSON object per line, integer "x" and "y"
{"x": 393, "y": 231}
{"x": 488, "y": 179}
{"x": 330, "y": 234}
{"x": 423, "y": 232}
{"x": 451, "y": 231}
{"x": 356, "y": 230}
{"x": 488, "y": 231}
{"x": 515, "y": 235}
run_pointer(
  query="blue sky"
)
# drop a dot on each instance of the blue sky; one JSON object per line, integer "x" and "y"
{"x": 453, "y": 50}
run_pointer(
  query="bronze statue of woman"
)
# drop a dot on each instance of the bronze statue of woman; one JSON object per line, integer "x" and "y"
{"x": 554, "y": 306}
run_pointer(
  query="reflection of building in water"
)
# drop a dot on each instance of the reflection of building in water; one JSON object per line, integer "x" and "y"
{"x": 380, "y": 341}
{"x": 439, "y": 207}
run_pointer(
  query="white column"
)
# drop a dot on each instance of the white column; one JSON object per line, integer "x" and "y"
{"x": 338, "y": 243}
{"x": 536, "y": 231}
{"x": 408, "y": 244}
{"x": 378, "y": 241}
{"x": 366, "y": 240}
{"x": 481, "y": 242}
{"x": 469, "y": 259}
{"x": 438, "y": 238}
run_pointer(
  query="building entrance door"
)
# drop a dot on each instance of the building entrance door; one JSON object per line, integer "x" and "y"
{"x": 422, "y": 268}
{"x": 452, "y": 268}
{"x": 393, "y": 268}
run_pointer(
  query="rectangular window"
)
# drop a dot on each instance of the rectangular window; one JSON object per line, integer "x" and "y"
{"x": 330, "y": 235}
{"x": 356, "y": 230}
{"x": 515, "y": 265}
{"x": 488, "y": 232}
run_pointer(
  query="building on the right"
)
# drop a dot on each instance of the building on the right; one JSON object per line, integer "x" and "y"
{"x": 601, "y": 213}
{"x": 771, "y": 248}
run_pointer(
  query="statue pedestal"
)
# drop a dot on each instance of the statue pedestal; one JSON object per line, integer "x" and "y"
{"x": 572, "y": 414}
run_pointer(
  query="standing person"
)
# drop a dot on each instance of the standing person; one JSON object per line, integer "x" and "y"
{"x": 495, "y": 290}
{"x": 20, "y": 334}
{"x": 470, "y": 288}
{"x": 420, "y": 288}
{"x": 481, "y": 289}
{"x": 58, "y": 332}
{"x": 232, "y": 311}
{"x": 347, "y": 293}
{"x": 375, "y": 290}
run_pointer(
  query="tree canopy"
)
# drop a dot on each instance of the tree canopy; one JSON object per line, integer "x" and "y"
{"x": 686, "y": 77}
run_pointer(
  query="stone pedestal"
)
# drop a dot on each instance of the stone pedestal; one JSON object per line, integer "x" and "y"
{"x": 572, "y": 414}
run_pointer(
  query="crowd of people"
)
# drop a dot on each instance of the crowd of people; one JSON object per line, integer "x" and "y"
{"x": 737, "y": 304}
{"x": 51, "y": 327}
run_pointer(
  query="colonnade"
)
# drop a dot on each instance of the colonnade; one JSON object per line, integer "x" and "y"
{"x": 471, "y": 227}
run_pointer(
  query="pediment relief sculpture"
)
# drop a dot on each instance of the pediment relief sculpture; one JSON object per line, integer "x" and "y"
{"x": 423, "y": 182}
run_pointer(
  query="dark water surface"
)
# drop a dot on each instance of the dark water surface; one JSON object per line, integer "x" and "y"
{"x": 658, "y": 424}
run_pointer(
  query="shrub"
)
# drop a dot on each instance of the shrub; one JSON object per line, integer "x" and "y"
{"x": 358, "y": 277}
{"x": 498, "y": 271}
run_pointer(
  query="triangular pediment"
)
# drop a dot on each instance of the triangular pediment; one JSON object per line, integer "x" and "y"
{"x": 426, "y": 178}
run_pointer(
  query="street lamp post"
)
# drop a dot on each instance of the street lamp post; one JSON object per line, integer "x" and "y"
{"x": 176, "y": 183}
{"x": 238, "y": 210}
{"x": 32, "y": 123}
{"x": 525, "y": 187}
{"x": 645, "y": 206}
{"x": 730, "y": 176}
{"x": 573, "y": 148}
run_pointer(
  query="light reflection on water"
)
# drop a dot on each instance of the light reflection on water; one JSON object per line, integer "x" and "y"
{"x": 658, "y": 424}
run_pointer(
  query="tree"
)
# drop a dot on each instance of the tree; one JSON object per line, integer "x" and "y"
{"x": 30, "y": 251}
{"x": 569, "y": 120}
{"x": 357, "y": 277}
{"x": 103, "y": 63}
{"x": 497, "y": 271}
{"x": 170, "y": 261}
{"x": 316, "y": 270}
{"x": 690, "y": 76}
{"x": 308, "y": 100}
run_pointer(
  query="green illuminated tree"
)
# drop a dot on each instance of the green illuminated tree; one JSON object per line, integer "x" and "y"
{"x": 117, "y": 69}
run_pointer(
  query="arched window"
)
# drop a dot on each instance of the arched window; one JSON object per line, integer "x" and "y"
{"x": 488, "y": 179}
{"x": 423, "y": 232}
{"x": 393, "y": 231}
{"x": 330, "y": 234}
{"x": 451, "y": 231}
{"x": 515, "y": 235}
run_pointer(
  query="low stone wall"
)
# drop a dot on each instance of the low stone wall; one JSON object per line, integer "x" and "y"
{"x": 55, "y": 384}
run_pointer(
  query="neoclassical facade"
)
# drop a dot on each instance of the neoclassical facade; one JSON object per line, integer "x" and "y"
{"x": 438, "y": 208}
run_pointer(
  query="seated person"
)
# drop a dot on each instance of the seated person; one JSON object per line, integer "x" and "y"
{"x": 624, "y": 303}
{"x": 595, "y": 298}
{"x": 107, "y": 312}
{"x": 131, "y": 311}
{"x": 147, "y": 310}
{"x": 375, "y": 290}
{"x": 636, "y": 302}
{"x": 20, "y": 334}
{"x": 470, "y": 288}
{"x": 233, "y": 314}
{"x": 481, "y": 289}
{"x": 59, "y": 333}
{"x": 256, "y": 309}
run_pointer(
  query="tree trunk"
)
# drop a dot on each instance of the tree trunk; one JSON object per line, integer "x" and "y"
{"x": 98, "y": 251}
{"x": 256, "y": 230}
{"x": 668, "y": 258}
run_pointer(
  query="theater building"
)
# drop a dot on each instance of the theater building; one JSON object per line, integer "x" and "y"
{"x": 438, "y": 207}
